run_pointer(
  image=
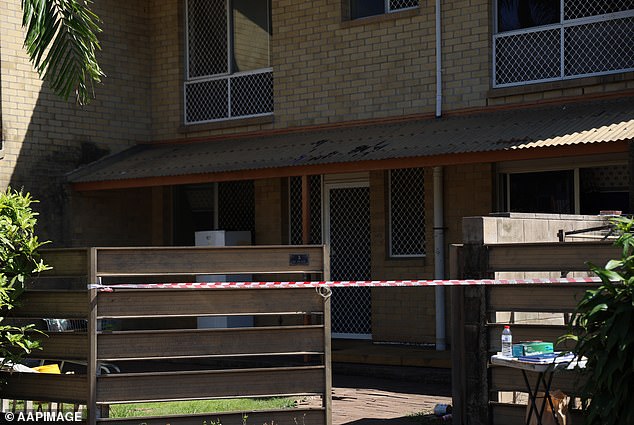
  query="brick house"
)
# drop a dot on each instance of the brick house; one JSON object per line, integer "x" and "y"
{"x": 363, "y": 125}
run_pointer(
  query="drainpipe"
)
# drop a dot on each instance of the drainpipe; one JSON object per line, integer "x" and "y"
{"x": 438, "y": 62}
{"x": 439, "y": 258}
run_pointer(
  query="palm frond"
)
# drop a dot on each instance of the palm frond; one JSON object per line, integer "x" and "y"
{"x": 61, "y": 42}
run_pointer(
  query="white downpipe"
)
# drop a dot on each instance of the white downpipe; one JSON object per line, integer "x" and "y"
{"x": 438, "y": 62}
{"x": 439, "y": 258}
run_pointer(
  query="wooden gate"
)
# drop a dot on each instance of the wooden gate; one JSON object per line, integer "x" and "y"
{"x": 152, "y": 335}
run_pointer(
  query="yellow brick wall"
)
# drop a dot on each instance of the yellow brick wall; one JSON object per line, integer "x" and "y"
{"x": 328, "y": 69}
{"x": 469, "y": 191}
{"x": 466, "y": 53}
{"x": 45, "y": 137}
{"x": 384, "y": 267}
{"x": 268, "y": 212}
{"x": 123, "y": 217}
{"x": 400, "y": 314}
{"x": 167, "y": 67}
{"x": 408, "y": 314}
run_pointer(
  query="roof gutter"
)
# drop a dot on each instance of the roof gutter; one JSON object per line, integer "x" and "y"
{"x": 357, "y": 166}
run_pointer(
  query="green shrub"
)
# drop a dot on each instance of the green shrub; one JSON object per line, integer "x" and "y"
{"x": 18, "y": 261}
{"x": 604, "y": 323}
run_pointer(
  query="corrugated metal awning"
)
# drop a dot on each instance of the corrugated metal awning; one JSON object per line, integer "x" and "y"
{"x": 297, "y": 152}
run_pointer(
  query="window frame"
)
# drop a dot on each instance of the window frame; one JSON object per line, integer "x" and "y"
{"x": 505, "y": 169}
{"x": 230, "y": 75}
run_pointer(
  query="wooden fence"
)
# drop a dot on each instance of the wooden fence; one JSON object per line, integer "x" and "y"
{"x": 153, "y": 335}
{"x": 483, "y": 393}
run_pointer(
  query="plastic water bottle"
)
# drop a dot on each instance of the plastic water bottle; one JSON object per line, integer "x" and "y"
{"x": 507, "y": 342}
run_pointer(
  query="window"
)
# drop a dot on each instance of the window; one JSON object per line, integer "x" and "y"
{"x": 585, "y": 190}
{"x": 216, "y": 206}
{"x": 406, "y": 213}
{"x": 604, "y": 189}
{"x": 363, "y": 8}
{"x": 546, "y": 192}
{"x": 516, "y": 14}
{"x": 548, "y": 40}
{"x": 228, "y": 72}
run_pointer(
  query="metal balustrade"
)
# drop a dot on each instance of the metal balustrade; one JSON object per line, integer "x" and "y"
{"x": 240, "y": 95}
{"x": 591, "y": 39}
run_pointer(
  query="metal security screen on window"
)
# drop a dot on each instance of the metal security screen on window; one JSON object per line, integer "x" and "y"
{"x": 228, "y": 71}
{"x": 407, "y": 213}
{"x": 538, "y": 41}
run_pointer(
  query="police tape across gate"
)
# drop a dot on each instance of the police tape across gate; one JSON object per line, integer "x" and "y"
{"x": 346, "y": 283}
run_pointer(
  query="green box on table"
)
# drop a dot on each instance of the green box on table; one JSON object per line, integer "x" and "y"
{"x": 530, "y": 348}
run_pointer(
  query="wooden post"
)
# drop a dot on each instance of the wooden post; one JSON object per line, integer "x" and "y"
{"x": 92, "y": 338}
{"x": 475, "y": 339}
{"x": 455, "y": 261}
{"x": 475, "y": 262}
{"x": 458, "y": 376}
{"x": 469, "y": 344}
{"x": 476, "y": 356}
{"x": 327, "y": 397}
{"x": 326, "y": 265}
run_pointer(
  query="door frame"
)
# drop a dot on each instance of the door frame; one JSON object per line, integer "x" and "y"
{"x": 354, "y": 182}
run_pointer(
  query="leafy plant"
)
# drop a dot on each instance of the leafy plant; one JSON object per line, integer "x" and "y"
{"x": 61, "y": 42}
{"x": 604, "y": 323}
{"x": 18, "y": 261}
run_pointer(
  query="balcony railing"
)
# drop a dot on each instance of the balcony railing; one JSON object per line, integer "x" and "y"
{"x": 219, "y": 98}
{"x": 573, "y": 48}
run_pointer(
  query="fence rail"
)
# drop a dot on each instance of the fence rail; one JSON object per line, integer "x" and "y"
{"x": 575, "y": 47}
{"x": 490, "y": 394}
{"x": 179, "y": 344}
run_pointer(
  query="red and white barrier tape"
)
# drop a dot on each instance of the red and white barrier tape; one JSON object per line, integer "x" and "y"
{"x": 344, "y": 284}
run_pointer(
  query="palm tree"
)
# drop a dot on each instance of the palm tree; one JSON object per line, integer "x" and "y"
{"x": 61, "y": 43}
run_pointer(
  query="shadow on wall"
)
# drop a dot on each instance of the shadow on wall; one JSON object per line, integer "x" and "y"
{"x": 57, "y": 137}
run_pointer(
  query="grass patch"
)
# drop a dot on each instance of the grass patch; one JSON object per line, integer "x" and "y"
{"x": 194, "y": 407}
